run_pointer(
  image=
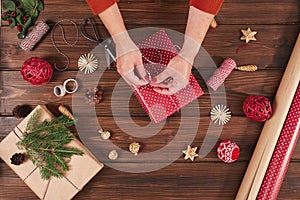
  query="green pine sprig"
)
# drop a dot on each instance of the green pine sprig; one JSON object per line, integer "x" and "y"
{"x": 45, "y": 142}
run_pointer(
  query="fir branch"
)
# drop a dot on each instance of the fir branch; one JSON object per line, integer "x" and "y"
{"x": 36, "y": 158}
{"x": 61, "y": 162}
{"x": 69, "y": 150}
{"x": 33, "y": 119}
{"x": 62, "y": 121}
{"x": 45, "y": 144}
{"x": 47, "y": 172}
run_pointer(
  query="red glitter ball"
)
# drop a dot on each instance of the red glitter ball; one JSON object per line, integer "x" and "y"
{"x": 228, "y": 151}
{"x": 37, "y": 71}
{"x": 257, "y": 108}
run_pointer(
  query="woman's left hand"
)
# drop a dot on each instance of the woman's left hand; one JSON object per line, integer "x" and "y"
{"x": 174, "y": 78}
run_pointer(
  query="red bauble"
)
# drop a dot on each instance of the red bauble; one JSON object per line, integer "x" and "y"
{"x": 228, "y": 151}
{"x": 257, "y": 108}
{"x": 37, "y": 71}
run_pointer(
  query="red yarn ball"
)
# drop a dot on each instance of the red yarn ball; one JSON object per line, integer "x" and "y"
{"x": 257, "y": 108}
{"x": 36, "y": 71}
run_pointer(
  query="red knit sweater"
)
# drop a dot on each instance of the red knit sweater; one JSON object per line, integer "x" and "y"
{"x": 209, "y": 6}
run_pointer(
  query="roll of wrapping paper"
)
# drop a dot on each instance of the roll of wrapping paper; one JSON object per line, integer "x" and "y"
{"x": 283, "y": 153}
{"x": 271, "y": 131}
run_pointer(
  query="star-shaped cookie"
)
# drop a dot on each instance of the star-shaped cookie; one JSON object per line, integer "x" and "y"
{"x": 190, "y": 153}
{"x": 248, "y": 35}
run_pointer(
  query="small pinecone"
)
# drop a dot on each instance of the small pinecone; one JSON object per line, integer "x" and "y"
{"x": 98, "y": 96}
{"x": 247, "y": 68}
{"x": 17, "y": 158}
{"x": 94, "y": 95}
{"x": 21, "y": 111}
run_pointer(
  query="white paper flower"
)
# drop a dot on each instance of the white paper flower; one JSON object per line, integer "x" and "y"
{"x": 88, "y": 63}
{"x": 220, "y": 114}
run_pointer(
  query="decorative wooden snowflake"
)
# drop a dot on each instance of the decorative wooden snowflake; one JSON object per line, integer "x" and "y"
{"x": 220, "y": 114}
{"x": 88, "y": 63}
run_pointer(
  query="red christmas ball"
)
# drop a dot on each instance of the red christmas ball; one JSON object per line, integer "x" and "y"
{"x": 257, "y": 108}
{"x": 36, "y": 71}
{"x": 228, "y": 151}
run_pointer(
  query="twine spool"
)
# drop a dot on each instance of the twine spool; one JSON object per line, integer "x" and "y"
{"x": 34, "y": 36}
{"x": 73, "y": 88}
{"x": 257, "y": 108}
{"x": 36, "y": 71}
{"x": 221, "y": 74}
{"x": 59, "y": 91}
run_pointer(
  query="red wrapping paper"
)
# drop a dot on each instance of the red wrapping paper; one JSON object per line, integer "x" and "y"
{"x": 283, "y": 152}
{"x": 157, "y": 51}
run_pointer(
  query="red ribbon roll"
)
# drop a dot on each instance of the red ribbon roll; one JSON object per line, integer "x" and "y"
{"x": 221, "y": 74}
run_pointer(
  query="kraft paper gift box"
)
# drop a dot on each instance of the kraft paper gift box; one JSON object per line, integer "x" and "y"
{"x": 82, "y": 168}
{"x": 157, "y": 51}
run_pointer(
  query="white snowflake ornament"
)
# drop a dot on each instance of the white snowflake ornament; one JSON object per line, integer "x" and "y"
{"x": 88, "y": 63}
{"x": 220, "y": 114}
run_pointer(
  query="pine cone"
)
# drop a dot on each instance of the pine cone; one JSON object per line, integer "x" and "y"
{"x": 17, "y": 158}
{"x": 98, "y": 95}
{"x": 21, "y": 111}
{"x": 94, "y": 95}
{"x": 247, "y": 68}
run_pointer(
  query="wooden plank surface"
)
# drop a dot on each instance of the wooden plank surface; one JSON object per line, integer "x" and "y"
{"x": 190, "y": 182}
{"x": 245, "y": 134}
{"x": 175, "y": 12}
{"x": 271, "y": 50}
{"x": 238, "y": 87}
{"x": 277, "y": 24}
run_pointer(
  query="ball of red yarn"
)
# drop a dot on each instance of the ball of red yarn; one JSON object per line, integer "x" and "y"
{"x": 36, "y": 71}
{"x": 257, "y": 108}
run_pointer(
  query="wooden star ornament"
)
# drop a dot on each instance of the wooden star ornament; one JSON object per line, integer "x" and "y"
{"x": 248, "y": 35}
{"x": 190, "y": 153}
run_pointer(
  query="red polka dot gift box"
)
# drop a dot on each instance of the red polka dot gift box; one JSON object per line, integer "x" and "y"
{"x": 157, "y": 51}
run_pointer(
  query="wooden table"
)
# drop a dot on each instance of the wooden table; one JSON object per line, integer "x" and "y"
{"x": 277, "y": 24}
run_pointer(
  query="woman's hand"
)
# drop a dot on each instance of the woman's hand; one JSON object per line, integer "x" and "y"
{"x": 130, "y": 67}
{"x": 174, "y": 78}
{"x": 129, "y": 60}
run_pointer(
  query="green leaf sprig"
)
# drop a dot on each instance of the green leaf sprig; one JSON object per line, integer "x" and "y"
{"x": 21, "y": 14}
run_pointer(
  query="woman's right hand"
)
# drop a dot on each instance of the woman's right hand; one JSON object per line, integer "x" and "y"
{"x": 130, "y": 67}
{"x": 129, "y": 60}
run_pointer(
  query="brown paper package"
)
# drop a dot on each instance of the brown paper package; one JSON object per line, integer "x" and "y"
{"x": 82, "y": 168}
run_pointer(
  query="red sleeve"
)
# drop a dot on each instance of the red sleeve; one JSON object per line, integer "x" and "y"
{"x": 209, "y": 6}
{"x": 99, "y": 6}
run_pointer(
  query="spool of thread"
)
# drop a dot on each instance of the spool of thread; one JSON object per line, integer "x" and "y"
{"x": 59, "y": 91}
{"x": 221, "y": 74}
{"x": 34, "y": 36}
{"x": 73, "y": 86}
